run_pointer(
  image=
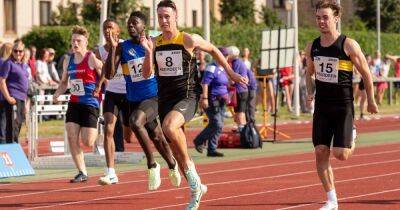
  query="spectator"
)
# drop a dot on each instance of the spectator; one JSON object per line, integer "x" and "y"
{"x": 32, "y": 62}
{"x": 270, "y": 96}
{"x": 286, "y": 80}
{"x": 13, "y": 89}
{"x": 396, "y": 61}
{"x": 302, "y": 84}
{"x": 382, "y": 86}
{"x": 251, "y": 101}
{"x": 213, "y": 100}
{"x": 246, "y": 57}
{"x": 5, "y": 52}
{"x": 52, "y": 66}
{"x": 377, "y": 62}
{"x": 43, "y": 77}
{"x": 60, "y": 62}
{"x": 242, "y": 91}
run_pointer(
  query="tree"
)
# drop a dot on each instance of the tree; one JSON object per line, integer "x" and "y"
{"x": 390, "y": 14}
{"x": 66, "y": 15}
{"x": 91, "y": 11}
{"x": 237, "y": 11}
{"x": 270, "y": 17}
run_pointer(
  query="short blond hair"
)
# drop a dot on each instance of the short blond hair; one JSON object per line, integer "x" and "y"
{"x": 81, "y": 31}
{"x": 6, "y": 50}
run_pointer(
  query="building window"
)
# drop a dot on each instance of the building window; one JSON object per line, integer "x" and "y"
{"x": 10, "y": 16}
{"x": 279, "y": 3}
{"x": 194, "y": 18}
{"x": 45, "y": 12}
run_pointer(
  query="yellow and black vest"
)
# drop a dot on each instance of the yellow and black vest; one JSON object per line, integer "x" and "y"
{"x": 176, "y": 69}
{"x": 333, "y": 71}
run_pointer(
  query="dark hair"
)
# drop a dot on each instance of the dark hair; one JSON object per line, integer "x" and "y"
{"x": 41, "y": 53}
{"x": 109, "y": 20}
{"x": 139, "y": 15}
{"x": 323, "y": 4}
{"x": 167, "y": 3}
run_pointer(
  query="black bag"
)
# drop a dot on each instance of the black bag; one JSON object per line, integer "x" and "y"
{"x": 250, "y": 137}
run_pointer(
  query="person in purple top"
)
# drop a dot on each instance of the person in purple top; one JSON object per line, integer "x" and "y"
{"x": 214, "y": 99}
{"x": 13, "y": 92}
{"x": 239, "y": 67}
{"x": 251, "y": 101}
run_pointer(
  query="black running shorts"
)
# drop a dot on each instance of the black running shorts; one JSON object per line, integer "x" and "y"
{"x": 150, "y": 108}
{"x": 186, "y": 106}
{"x": 116, "y": 102}
{"x": 242, "y": 102}
{"x": 83, "y": 115}
{"x": 333, "y": 122}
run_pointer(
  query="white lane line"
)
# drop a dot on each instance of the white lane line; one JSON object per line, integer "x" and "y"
{"x": 205, "y": 173}
{"x": 279, "y": 190}
{"x": 211, "y": 184}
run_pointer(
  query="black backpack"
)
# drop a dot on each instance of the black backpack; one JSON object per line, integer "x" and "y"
{"x": 250, "y": 137}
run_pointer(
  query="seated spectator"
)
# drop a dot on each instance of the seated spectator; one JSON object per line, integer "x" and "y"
{"x": 286, "y": 80}
{"x": 13, "y": 92}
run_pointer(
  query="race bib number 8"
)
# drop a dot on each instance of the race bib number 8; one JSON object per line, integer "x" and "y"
{"x": 326, "y": 69}
{"x": 77, "y": 87}
{"x": 169, "y": 63}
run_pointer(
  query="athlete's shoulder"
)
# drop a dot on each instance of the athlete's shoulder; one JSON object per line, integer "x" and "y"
{"x": 351, "y": 46}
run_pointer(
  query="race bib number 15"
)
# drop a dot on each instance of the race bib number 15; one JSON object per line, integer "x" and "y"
{"x": 326, "y": 69}
{"x": 169, "y": 63}
{"x": 77, "y": 87}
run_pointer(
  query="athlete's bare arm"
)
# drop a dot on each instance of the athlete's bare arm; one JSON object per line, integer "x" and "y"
{"x": 95, "y": 63}
{"x": 62, "y": 87}
{"x": 147, "y": 43}
{"x": 393, "y": 58}
{"x": 309, "y": 73}
{"x": 195, "y": 41}
{"x": 353, "y": 50}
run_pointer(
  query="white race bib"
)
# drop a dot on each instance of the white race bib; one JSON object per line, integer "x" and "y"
{"x": 135, "y": 70}
{"x": 77, "y": 87}
{"x": 169, "y": 63}
{"x": 326, "y": 69}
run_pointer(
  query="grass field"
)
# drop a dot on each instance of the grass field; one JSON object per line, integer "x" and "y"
{"x": 269, "y": 149}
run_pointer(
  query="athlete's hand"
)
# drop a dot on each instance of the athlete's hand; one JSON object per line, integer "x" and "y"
{"x": 55, "y": 98}
{"x": 96, "y": 91}
{"x": 146, "y": 42}
{"x": 204, "y": 103}
{"x": 111, "y": 38}
{"x": 239, "y": 79}
{"x": 372, "y": 107}
{"x": 310, "y": 99}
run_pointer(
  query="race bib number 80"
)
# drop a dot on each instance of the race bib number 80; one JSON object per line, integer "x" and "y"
{"x": 326, "y": 69}
{"x": 169, "y": 63}
{"x": 77, "y": 87}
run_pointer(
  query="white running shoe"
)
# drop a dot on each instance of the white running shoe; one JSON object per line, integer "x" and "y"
{"x": 330, "y": 205}
{"x": 175, "y": 176}
{"x": 353, "y": 142}
{"x": 108, "y": 179}
{"x": 196, "y": 197}
{"x": 154, "y": 177}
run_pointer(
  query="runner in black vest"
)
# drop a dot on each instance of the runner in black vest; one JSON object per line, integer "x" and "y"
{"x": 331, "y": 58}
{"x": 177, "y": 87}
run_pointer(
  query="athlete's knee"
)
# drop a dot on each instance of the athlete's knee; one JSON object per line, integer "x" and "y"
{"x": 321, "y": 151}
{"x": 88, "y": 142}
{"x": 109, "y": 130}
{"x": 135, "y": 123}
{"x": 342, "y": 154}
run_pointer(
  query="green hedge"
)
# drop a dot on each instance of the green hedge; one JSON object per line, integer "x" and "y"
{"x": 58, "y": 37}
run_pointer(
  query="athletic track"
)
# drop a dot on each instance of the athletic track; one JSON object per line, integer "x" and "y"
{"x": 369, "y": 180}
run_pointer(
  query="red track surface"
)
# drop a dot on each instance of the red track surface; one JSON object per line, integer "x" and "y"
{"x": 369, "y": 180}
{"x": 294, "y": 130}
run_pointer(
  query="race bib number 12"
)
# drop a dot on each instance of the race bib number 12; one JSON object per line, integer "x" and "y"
{"x": 326, "y": 69}
{"x": 77, "y": 87}
{"x": 169, "y": 63}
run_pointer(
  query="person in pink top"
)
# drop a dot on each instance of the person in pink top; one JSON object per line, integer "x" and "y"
{"x": 396, "y": 61}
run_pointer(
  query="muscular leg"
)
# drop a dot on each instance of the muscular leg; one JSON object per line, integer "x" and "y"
{"x": 342, "y": 153}
{"x": 109, "y": 145}
{"x": 172, "y": 128}
{"x": 137, "y": 121}
{"x": 324, "y": 168}
{"x": 127, "y": 133}
{"x": 89, "y": 136}
{"x": 161, "y": 144}
{"x": 76, "y": 150}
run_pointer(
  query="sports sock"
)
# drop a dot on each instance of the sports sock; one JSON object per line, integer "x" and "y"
{"x": 84, "y": 172}
{"x": 192, "y": 178}
{"x": 111, "y": 171}
{"x": 332, "y": 195}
